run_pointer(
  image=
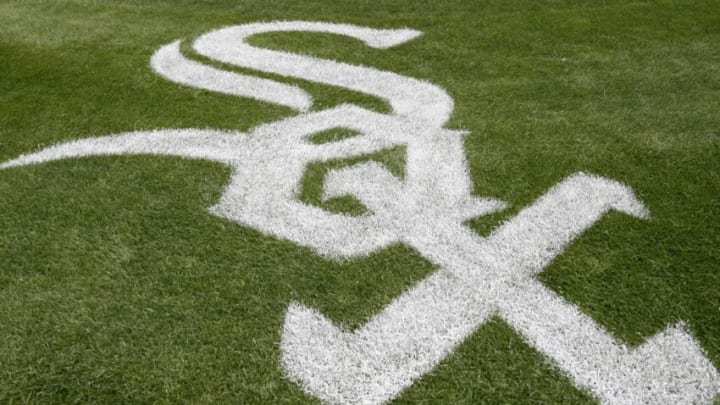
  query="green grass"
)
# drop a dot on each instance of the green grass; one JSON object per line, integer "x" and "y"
{"x": 117, "y": 285}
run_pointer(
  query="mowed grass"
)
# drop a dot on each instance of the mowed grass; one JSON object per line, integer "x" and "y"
{"x": 117, "y": 285}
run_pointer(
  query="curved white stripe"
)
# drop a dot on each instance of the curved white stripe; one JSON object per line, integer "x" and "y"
{"x": 188, "y": 143}
{"x": 407, "y": 96}
{"x": 171, "y": 64}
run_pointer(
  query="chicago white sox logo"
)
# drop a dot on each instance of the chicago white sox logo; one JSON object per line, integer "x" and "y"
{"x": 478, "y": 277}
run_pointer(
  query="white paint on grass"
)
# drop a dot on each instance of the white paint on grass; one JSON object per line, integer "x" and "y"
{"x": 170, "y": 63}
{"x": 478, "y": 277}
{"x": 482, "y": 277}
{"x": 268, "y": 165}
{"x": 408, "y": 97}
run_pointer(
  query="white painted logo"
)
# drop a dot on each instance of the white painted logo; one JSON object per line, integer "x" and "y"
{"x": 477, "y": 277}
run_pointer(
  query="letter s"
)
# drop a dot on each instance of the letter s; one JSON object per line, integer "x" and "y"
{"x": 408, "y": 97}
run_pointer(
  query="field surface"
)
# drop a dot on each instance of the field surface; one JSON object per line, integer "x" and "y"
{"x": 117, "y": 285}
